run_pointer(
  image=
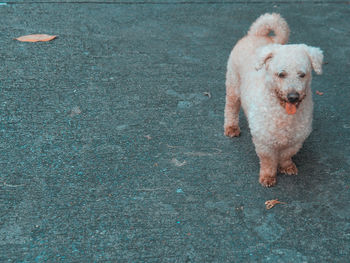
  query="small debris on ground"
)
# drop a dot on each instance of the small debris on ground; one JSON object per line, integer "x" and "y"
{"x": 75, "y": 111}
{"x": 271, "y": 203}
{"x": 319, "y": 93}
{"x": 36, "y": 38}
{"x": 148, "y": 137}
{"x": 179, "y": 191}
{"x": 207, "y": 93}
{"x": 177, "y": 163}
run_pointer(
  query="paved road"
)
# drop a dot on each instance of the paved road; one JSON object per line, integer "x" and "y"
{"x": 112, "y": 143}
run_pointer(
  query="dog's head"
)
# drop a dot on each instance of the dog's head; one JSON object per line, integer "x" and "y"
{"x": 288, "y": 70}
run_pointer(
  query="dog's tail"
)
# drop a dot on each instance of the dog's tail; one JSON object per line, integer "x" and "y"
{"x": 271, "y": 22}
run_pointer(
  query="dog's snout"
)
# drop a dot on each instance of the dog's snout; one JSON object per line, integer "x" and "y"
{"x": 293, "y": 97}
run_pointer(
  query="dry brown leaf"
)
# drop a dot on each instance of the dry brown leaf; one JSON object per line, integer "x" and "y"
{"x": 319, "y": 93}
{"x": 36, "y": 38}
{"x": 271, "y": 203}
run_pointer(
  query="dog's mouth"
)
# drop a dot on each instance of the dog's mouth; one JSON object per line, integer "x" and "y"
{"x": 290, "y": 107}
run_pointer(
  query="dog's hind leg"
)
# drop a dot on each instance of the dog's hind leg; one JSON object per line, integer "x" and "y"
{"x": 233, "y": 104}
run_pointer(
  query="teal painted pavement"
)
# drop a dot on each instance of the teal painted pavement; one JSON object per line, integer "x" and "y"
{"x": 112, "y": 145}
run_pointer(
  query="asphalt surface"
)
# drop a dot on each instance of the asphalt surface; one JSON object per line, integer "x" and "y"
{"x": 112, "y": 145}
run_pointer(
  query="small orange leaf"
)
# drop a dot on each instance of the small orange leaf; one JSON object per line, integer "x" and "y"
{"x": 271, "y": 203}
{"x": 36, "y": 38}
{"x": 319, "y": 93}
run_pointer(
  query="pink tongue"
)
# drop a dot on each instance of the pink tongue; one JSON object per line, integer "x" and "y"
{"x": 290, "y": 108}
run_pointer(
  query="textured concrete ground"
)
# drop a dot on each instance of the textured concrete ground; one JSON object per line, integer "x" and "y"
{"x": 112, "y": 149}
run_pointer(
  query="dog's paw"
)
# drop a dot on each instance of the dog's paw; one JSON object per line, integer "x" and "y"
{"x": 267, "y": 180}
{"x": 232, "y": 131}
{"x": 290, "y": 170}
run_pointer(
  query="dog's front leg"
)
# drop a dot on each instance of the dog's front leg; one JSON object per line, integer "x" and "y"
{"x": 286, "y": 165}
{"x": 268, "y": 169}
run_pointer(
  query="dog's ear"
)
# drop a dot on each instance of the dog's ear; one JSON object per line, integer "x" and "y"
{"x": 264, "y": 55}
{"x": 316, "y": 57}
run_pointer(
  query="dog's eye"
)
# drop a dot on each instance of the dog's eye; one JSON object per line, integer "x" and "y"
{"x": 281, "y": 75}
{"x": 301, "y": 74}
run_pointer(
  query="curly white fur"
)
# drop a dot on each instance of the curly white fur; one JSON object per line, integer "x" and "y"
{"x": 261, "y": 73}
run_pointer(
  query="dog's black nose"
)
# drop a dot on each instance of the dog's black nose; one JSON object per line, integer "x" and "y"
{"x": 293, "y": 97}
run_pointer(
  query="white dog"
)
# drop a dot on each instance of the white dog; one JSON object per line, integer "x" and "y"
{"x": 272, "y": 83}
